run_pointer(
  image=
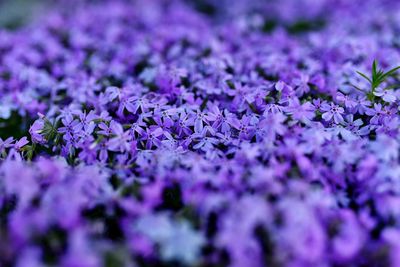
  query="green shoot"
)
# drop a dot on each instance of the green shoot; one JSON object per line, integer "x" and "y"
{"x": 377, "y": 78}
{"x": 49, "y": 130}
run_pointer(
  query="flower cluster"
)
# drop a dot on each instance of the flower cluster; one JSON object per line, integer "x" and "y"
{"x": 201, "y": 133}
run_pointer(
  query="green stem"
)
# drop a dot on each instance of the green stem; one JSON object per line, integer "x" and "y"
{"x": 370, "y": 95}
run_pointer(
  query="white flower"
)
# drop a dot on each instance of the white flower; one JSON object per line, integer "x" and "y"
{"x": 177, "y": 239}
{"x": 386, "y": 95}
{"x": 5, "y": 111}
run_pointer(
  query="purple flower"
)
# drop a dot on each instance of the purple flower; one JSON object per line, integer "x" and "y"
{"x": 219, "y": 119}
{"x": 386, "y": 94}
{"x": 86, "y": 120}
{"x": 302, "y": 112}
{"x": 245, "y": 126}
{"x": 20, "y": 180}
{"x": 121, "y": 140}
{"x": 348, "y": 101}
{"x": 164, "y": 117}
{"x": 70, "y": 128}
{"x": 79, "y": 252}
{"x": 104, "y": 129}
{"x": 134, "y": 103}
{"x": 332, "y": 111}
{"x": 21, "y": 143}
{"x": 303, "y": 232}
{"x": 362, "y": 105}
{"x": 152, "y": 137}
{"x": 350, "y": 237}
{"x": 205, "y": 143}
{"x": 199, "y": 122}
{"x": 138, "y": 127}
{"x": 4, "y": 144}
{"x": 184, "y": 123}
{"x": 113, "y": 93}
{"x": 379, "y": 113}
{"x": 302, "y": 84}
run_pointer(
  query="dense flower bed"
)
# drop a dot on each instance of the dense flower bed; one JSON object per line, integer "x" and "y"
{"x": 201, "y": 133}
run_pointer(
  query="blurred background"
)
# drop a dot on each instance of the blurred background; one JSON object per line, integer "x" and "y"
{"x": 16, "y": 13}
{"x": 294, "y": 15}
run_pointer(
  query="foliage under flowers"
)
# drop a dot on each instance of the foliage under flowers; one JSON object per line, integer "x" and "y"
{"x": 201, "y": 133}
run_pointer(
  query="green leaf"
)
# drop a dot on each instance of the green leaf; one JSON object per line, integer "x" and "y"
{"x": 49, "y": 130}
{"x": 391, "y": 72}
{"x": 364, "y": 76}
{"x": 374, "y": 68}
{"x": 378, "y": 77}
{"x": 357, "y": 88}
{"x": 392, "y": 86}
